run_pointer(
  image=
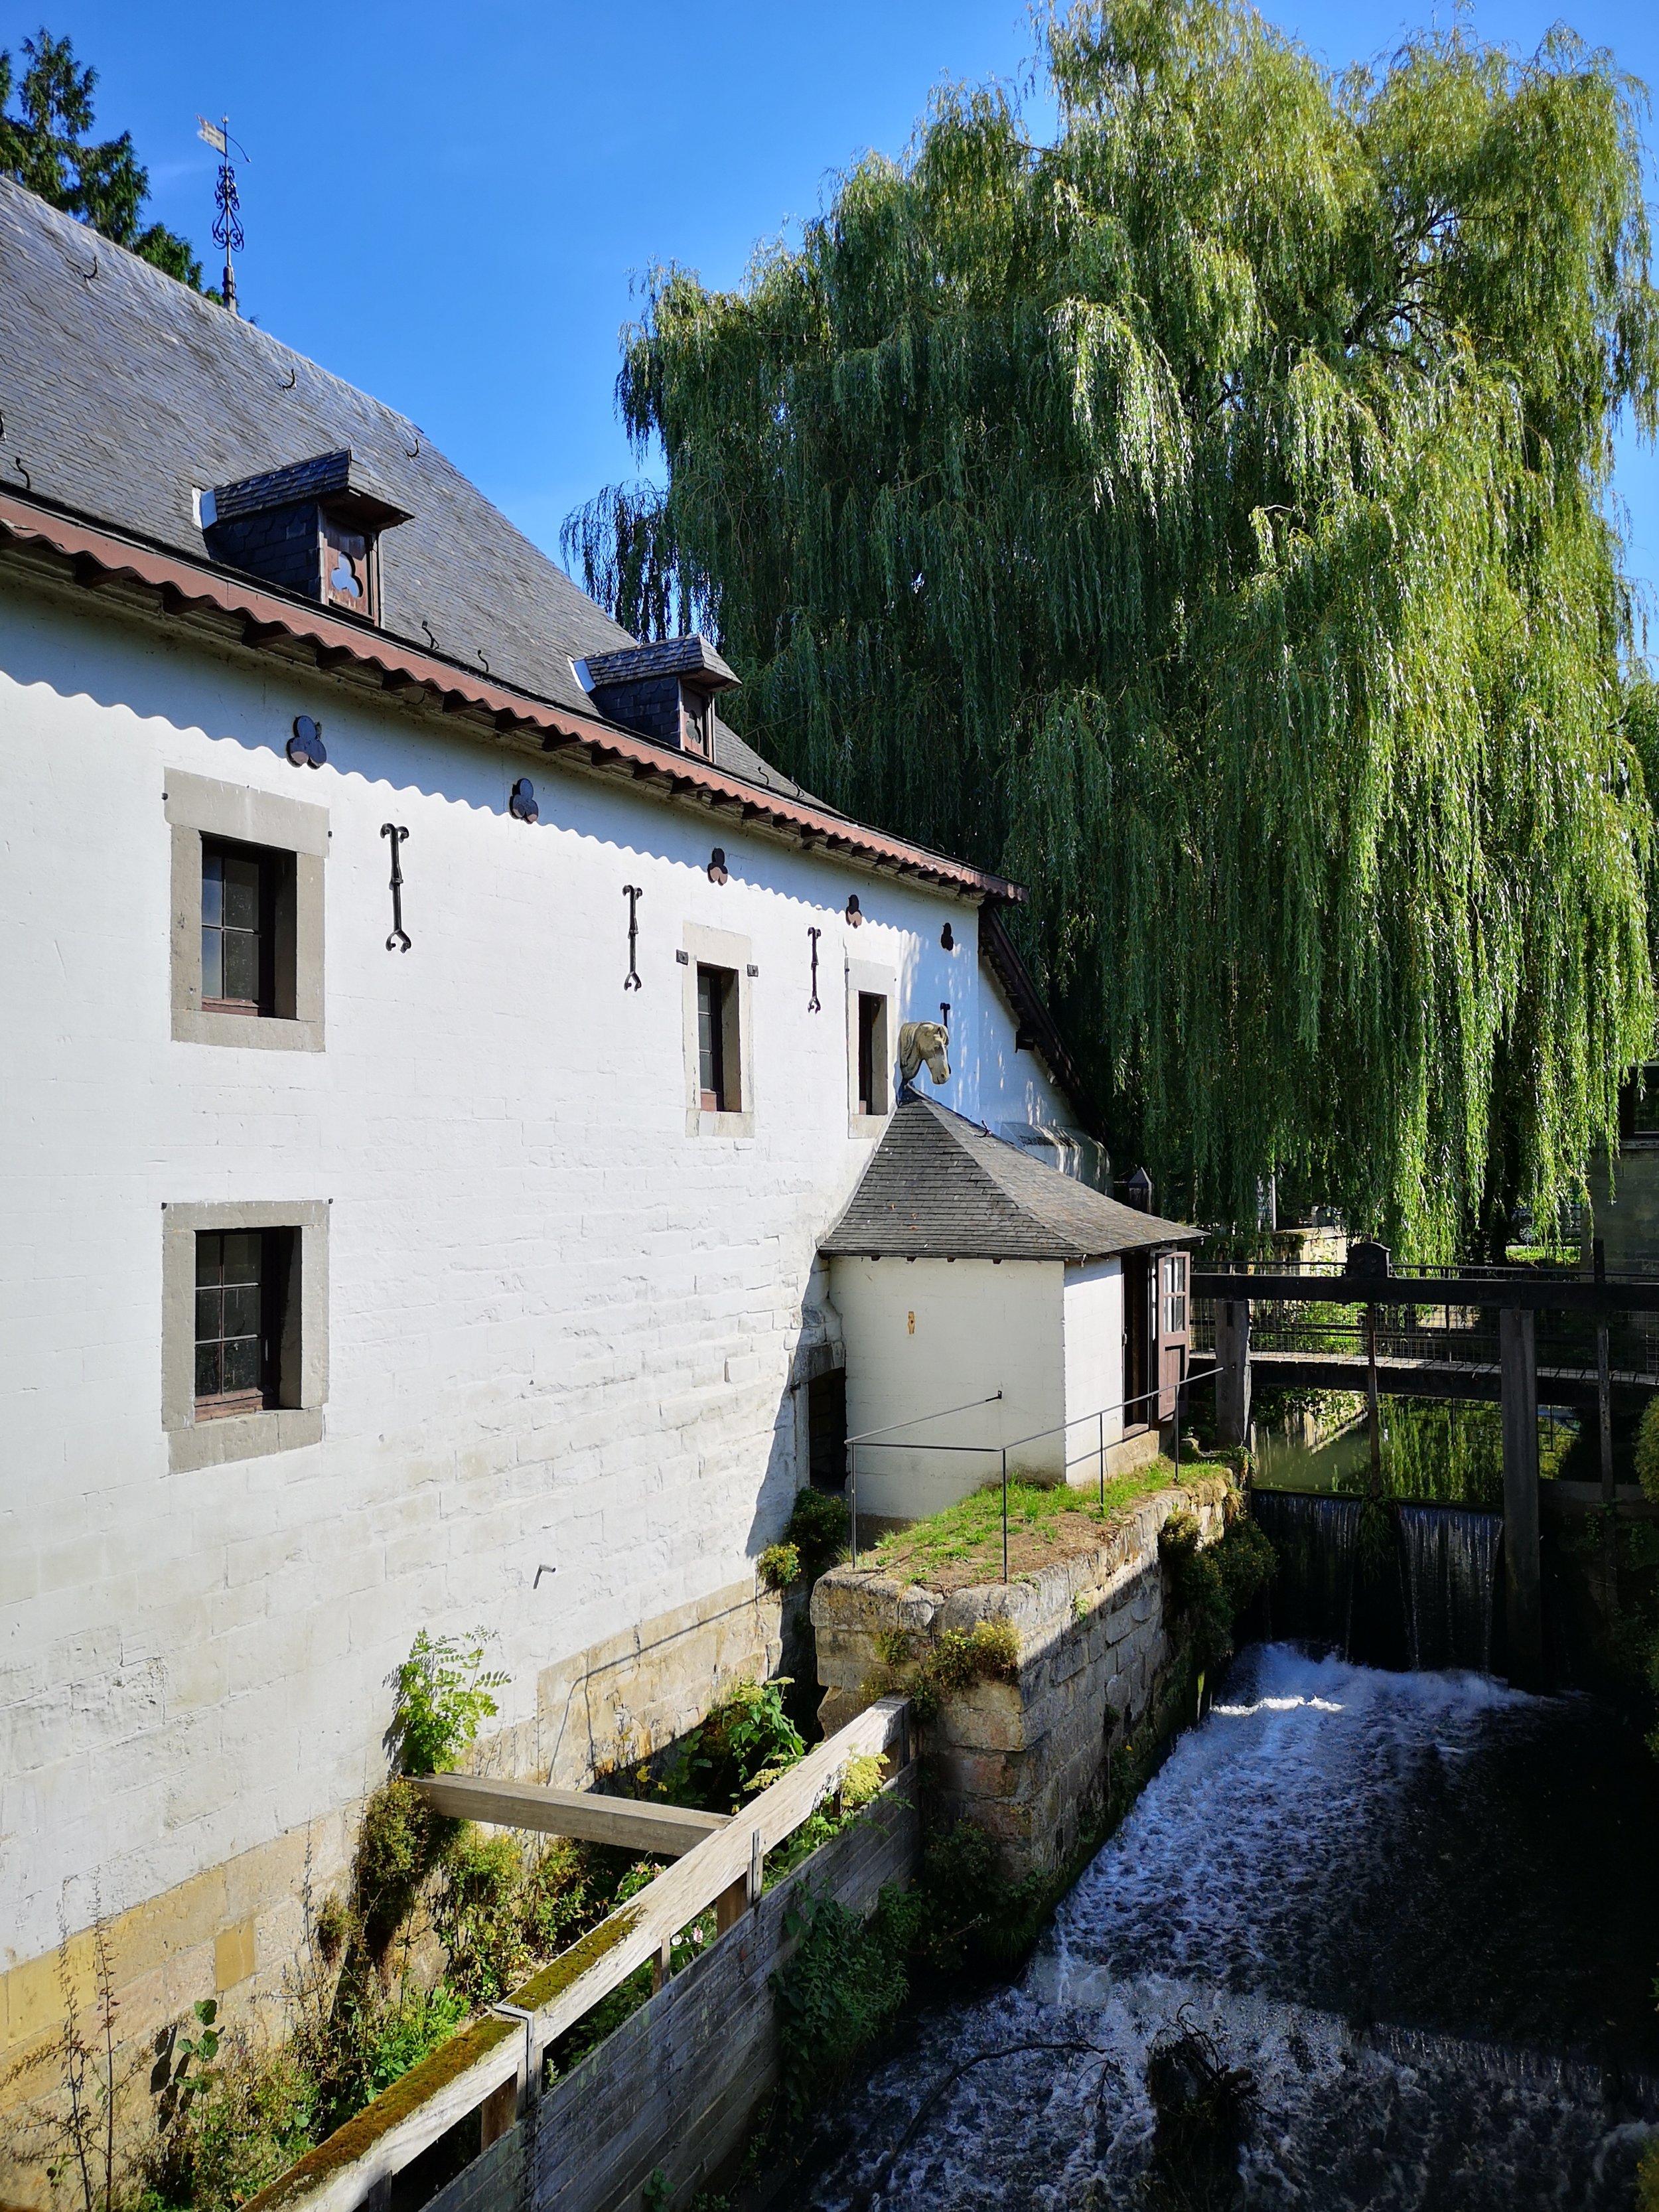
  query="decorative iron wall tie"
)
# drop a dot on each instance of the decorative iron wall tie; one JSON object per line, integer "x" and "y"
{"x": 399, "y": 940}
{"x": 633, "y": 894}
{"x": 945, "y": 1014}
{"x": 812, "y": 1005}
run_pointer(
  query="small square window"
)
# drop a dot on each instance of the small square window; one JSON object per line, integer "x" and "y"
{"x": 872, "y": 1053}
{"x": 717, "y": 1056}
{"x": 241, "y": 1284}
{"x": 1175, "y": 1294}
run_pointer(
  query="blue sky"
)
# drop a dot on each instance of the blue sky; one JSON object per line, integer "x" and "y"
{"x": 446, "y": 205}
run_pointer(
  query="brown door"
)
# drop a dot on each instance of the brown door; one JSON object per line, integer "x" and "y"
{"x": 1173, "y": 1333}
{"x": 1137, "y": 1330}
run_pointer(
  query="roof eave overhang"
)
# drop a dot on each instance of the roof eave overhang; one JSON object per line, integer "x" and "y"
{"x": 85, "y": 555}
{"x": 1033, "y": 1015}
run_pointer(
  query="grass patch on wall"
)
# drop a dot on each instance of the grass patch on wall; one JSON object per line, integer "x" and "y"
{"x": 963, "y": 1544}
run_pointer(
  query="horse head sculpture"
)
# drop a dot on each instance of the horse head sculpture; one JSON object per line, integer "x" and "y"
{"x": 922, "y": 1044}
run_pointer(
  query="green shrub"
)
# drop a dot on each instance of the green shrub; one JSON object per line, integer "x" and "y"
{"x": 953, "y": 1661}
{"x": 443, "y": 1693}
{"x": 779, "y": 1565}
{"x": 968, "y": 1918}
{"x": 1210, "y": 1584}
{"x": 846, "y": 1980}
{"x": 819, "y": 1528}
{"x": 746, "y": 1741}
{"x": 1647, "y": 1460}
{"x": 236, "y": 2135}
{"x": 397, "y": 1844}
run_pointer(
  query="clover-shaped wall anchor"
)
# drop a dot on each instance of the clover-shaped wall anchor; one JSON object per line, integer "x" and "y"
{"x": 305, "y": 747}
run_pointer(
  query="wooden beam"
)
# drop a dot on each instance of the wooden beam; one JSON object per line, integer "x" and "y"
{"x": 660, "y": 1831}
{"x": 1522, "y": 1292}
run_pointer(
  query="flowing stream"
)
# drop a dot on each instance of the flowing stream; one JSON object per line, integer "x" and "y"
{"x": 1419, "y": 1908}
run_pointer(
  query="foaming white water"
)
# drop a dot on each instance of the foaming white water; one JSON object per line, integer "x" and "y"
{"x": 1274, "y": 1886}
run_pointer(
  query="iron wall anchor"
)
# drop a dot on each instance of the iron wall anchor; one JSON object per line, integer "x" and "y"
{"x": 633, "y": 893}
{"x": 812, "y": 1005}
{"x": 399, "y": 940}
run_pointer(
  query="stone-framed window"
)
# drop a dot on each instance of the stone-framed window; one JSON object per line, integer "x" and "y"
{"x": 244, "y": 1330}
{"x": 718, "y": 1011}
{"x": 871, "y": 1047}
{"x": 247, "y": 915}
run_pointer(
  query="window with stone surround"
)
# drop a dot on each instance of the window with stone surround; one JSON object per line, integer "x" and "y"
{"x": 247, "y": 915}
{"x": 244, "y": 1328}
{"x": 719, "y": 970}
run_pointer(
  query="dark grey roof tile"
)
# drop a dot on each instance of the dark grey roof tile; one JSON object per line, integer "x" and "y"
{"x": 939, "y": 1187}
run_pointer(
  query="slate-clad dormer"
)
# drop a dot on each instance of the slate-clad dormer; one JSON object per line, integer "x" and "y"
{"x": 311, "y": 527}
{"x": 664, "y": 692}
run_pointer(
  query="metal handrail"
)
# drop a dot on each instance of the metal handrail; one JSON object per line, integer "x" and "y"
{"x": 869, "y": 1441}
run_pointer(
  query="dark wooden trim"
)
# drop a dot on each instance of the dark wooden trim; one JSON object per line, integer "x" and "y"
{"x": 1526, "y": 1293}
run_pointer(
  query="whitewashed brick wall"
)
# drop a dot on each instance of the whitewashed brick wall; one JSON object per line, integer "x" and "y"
{"x": 562, "y": 1329}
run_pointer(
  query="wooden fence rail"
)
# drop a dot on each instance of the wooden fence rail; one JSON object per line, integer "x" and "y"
{"x": 494, "y": 2066}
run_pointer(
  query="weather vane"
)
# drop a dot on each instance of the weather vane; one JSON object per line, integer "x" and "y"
{"x": 227, "y": 223}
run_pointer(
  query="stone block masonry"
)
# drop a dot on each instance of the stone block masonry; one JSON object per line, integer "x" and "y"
{"x": 1026, "y": 1758}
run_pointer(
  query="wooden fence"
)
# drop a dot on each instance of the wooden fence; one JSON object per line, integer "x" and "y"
{"x": 493, "y": 2067}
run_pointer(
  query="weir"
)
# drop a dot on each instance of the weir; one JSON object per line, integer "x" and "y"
{"x": 1417, "y": 1589}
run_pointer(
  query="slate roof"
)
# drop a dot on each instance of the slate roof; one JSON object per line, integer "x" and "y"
{"x": 311, "y": 479}
{"x": 123, "y": 393}
{"x": 670, "y": 656}
{"x": 940, "y": 1186}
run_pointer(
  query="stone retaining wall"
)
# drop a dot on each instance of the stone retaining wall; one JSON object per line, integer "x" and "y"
{"x": 1026, "y": 1758}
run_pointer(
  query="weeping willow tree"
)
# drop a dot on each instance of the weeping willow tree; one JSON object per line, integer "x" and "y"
{"x": 1205, "y": 516}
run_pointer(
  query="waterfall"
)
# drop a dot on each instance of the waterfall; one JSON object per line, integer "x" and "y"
{"x": 1311, "y": 1597}
{"x": 1448, "y": 1562}
{"x": 1425, "y": 1603}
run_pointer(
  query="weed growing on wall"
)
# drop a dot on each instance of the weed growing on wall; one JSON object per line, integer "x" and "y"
{"x": 1211, "y": 1585}
{"x": 819, "y": 1527}
{"x": 443, "y": 1692}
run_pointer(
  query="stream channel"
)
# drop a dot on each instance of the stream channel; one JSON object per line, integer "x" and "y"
{"x": 1422, "y": 1910}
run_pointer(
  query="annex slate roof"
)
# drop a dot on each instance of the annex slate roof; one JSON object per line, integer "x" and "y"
{"x": 940, "y": 1186}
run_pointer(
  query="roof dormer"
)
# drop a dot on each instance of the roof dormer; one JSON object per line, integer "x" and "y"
{"x": 664, "y": 692}
{"x": 311, "y": 527}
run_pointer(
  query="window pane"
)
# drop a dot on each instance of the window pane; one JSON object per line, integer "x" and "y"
{"x": 241, "y": 893}
{"x": 242, "y": 1256}
{"x": 207, "y": 1370}
{"x": 208, "y": 1328}
{"x": 242, "y": 1364}
{"x": 242, "y": 965}
{"x": 707, "y": 1030}
{"x": 213, "y": 972}
{"x": 242, "y": 1310}
{"x": 209, "y": 1251}
{"x": 213, "y": 882}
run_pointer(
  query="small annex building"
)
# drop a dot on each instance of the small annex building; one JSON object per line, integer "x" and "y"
{"x": 964, "y": 1265}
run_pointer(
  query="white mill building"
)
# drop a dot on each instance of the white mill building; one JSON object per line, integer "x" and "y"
{"x": 380, "y": 1259}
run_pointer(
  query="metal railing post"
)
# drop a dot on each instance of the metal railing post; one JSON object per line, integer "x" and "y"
{"x": 853, "y": 1485}
{"x": 1102, "y": 1417}
{"x": 1004, "y": 1513}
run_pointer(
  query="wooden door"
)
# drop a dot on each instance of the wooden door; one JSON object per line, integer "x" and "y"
{"x": 1137, "y": 1340}
{"x": 1174, "y": 1331}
